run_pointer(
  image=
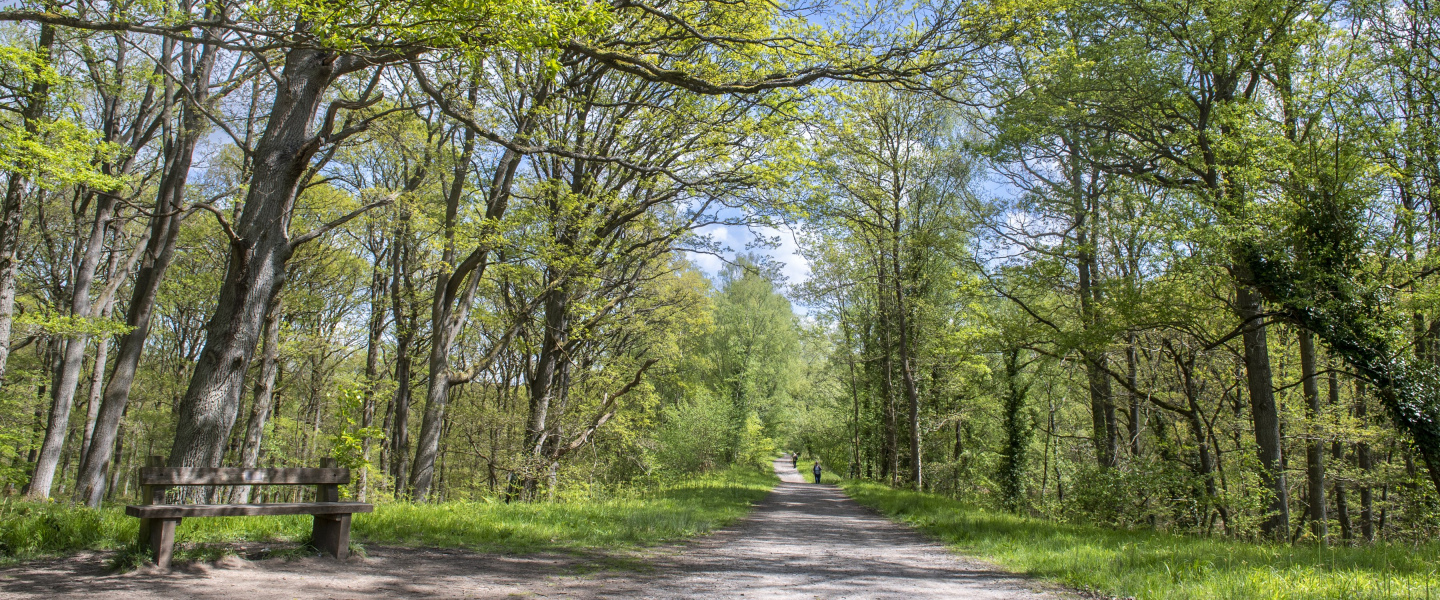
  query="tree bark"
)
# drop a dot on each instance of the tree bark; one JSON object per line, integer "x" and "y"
{"x": 164, "y": 229}
{"x": 1263, "y": 412}
{"x": 1366, "y": 462}
{"x": 1337, "y": 452}
{"x": 1104, "y": 433}
{"x": 97, "y": 387}
{"x": 73, "y": 358}
{"x": 1314, "y": 449}
{"x": 378, "y": 294}
{"x": 404, "y": 338}
{"x": 907, "y": 367}
{"x": 454, "y": 293}
{"x": 259, "y": 251}
{"x": 264, "y": 400}
{"x": 550, "y": 376}
{"x": 11, "y": 210}
{"x": 114, "y": 275}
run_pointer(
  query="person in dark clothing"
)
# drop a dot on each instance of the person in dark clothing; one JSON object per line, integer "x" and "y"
{"x": 795, "y": 460}
{"x": 816, "y": 471}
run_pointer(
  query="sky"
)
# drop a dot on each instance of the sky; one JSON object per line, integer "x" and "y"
{"x": 735, "y": 240}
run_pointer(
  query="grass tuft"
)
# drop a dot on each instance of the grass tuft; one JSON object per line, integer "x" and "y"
{"x": 1147, "y": 564}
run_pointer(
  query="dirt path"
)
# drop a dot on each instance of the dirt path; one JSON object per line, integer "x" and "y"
{"x": 803, "y": 541}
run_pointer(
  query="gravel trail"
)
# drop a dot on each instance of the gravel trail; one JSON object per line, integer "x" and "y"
{"x": 803, "y": 541}
{"x": 811, "y": 541}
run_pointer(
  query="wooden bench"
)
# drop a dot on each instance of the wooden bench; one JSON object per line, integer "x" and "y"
{"x": 331, "y": 533}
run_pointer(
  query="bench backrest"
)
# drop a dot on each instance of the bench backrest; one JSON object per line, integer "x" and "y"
{"x": 170, "y": 476}
{"x": 327, "y": 479}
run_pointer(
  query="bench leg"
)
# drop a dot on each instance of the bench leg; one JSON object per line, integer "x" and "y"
{"x": 158, "y": 536}
{"x": 331, "y": 535}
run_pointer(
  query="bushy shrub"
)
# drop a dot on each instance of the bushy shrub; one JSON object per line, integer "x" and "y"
{"x": 693, "y": 434}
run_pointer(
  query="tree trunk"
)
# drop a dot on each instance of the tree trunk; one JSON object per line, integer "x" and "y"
{"x": 405, "y": 324}
{"x": 890, "y": 454}
{"x": 1263, "y": 411}
{"x": 11, "y": 211}
{"x": 164, "y": 228}
{"x": 259, "y": 251}
{"x": 907, "y": 366}
{"x": 114, "y": 275}
{"x": 1337, "y": 451}
{"x": 1017, "y": 436}
{"x": 1314, "y": 450}
{"x": 454, "y": 293}
{"x": 548, "y": 379}
{"x": 73, "y": 360}
{"x": 264, "y": 400}
{"x": 378, "y": 293}
{"x": 1132, "y": 362}
{"x": 1366, "y": 462}
{"x": 97, "y": 387}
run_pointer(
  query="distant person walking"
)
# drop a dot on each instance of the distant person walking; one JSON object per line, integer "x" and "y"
{"x": 816, "y": 471}
{"x": 795, "y": 460}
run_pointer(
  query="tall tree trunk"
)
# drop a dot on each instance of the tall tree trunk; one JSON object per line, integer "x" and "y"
{"x": 97, "y": 387}
{"x": 1017, "y": 435}
{"x": 890, "y": 467}
{"x": 259, "y": 251}
{"x": 1366, "y": 462}
{"x": 1263, "y": 412}
{"x": 549, "y": 378}
{"x": 1314, "y": 449}
{"x": 12, "y": 209}
{"x": 1132, "y": 363}
{"x": 454, "y": 293}
{"x": 1104, "y": 434}
{"x": 1197, "y": 429}
{"x": 159, "y": 249}
{"x": 1337, "y": 451}
{"x": 264, "y": 399}
{"x": 73, "y": 359}
{"x": 404, "y": 337}
{"x": 378, "y": 296}
{"x": 907, "y": 360}
{"x": 114, "y": 275}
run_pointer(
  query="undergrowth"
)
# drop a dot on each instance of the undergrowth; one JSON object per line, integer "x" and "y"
{"x": 642, "y": 517}
{"x": 1147, "y": 564}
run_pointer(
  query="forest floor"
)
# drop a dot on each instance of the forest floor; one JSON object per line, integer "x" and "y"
{"x": 801, "y": 541}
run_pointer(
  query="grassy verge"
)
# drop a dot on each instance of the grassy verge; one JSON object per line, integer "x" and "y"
{"x": 671, "y": 512}
{"x": 1144, "y": 564}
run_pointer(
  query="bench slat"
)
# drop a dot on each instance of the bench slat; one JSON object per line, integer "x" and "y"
{"x": 173, "y": 511}
{"x": 237, "y": 476}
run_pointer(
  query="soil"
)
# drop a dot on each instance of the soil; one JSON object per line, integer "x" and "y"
{"x": 803, "y": 541}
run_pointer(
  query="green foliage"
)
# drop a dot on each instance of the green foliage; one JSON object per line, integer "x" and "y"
{"x": 50, "y": 152}
{"x": 748, "y": 362}
{"x": 1147, "y": 564}
{"x": 694, "y": 434}
{"x": 49, "y": 323}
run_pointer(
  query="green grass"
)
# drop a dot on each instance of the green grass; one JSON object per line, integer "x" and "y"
{"x": 641, "y": 518}
{"x": 1146, "y": 564}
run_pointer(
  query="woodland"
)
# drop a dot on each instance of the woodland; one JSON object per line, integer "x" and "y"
{"x": 1134, "y": 263}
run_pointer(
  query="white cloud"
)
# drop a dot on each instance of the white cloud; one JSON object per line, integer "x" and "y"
{"x": 736, "y": 240}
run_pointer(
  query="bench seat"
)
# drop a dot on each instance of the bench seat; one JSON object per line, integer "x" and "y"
{"x": 184, "y": 511}
{"x": 158, "y": 521}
